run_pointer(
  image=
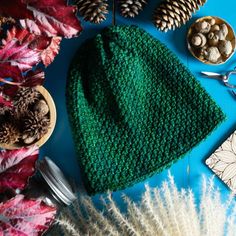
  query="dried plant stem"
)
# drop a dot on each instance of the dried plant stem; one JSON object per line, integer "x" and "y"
{"x": 164, "y": 211}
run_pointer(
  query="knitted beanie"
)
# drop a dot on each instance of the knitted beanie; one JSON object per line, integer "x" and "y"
{"x": 134, "y": 108}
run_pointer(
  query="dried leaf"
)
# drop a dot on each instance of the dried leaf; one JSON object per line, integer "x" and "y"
{"x": 8, "y": 71}
{"x": 31, "y": 79}
{"x": 19, "y": 55}
{"x": 10, "y": 90}
{"x": 52, "y": 18}
{"x": 15, "y": 8}
{"x": 34, "y": 78}
{"x": 51, "y": 51}
{"x": 25, "y": 37}
{"x": 25, "y": 217}
{"x": 16, "y": 167}
{"x": 47, "y": 47}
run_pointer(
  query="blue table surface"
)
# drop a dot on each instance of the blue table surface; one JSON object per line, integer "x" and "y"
{"x": 188, "y": 171}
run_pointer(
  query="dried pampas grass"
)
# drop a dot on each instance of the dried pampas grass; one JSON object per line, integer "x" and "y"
{"x": 164, "y": 211}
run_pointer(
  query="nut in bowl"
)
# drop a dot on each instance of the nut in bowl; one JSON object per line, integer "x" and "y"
{"x": 211, "y": 40}
{"x": 32, "y": 120}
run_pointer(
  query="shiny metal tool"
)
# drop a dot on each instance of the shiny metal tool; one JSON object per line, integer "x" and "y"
{"x": 225, "y": 78}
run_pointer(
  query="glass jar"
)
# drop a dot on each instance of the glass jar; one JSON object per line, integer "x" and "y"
{"x": 50, "y": 185}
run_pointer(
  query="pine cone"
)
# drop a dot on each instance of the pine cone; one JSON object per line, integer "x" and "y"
{"x": 93, "y": 10}
{"x": 6, "y": 20}
{"x": 35, "y": 126}
{"x": 172, "y": 14}
{"x": 25, "y": 97}
{"x": 131, "y": 8}
{"x": 9, "y": 134}
{"x": 4, "y": 110}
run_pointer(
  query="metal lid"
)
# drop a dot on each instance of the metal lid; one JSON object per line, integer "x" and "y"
{"x": 57, "y": 182}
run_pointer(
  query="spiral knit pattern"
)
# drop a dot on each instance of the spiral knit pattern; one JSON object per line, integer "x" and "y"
{"x": 134, "y": 108}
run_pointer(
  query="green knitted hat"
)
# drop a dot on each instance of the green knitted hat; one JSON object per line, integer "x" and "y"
{"x": 134, "y": 108}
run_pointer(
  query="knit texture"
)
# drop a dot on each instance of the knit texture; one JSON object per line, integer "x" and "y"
{"x": 134, "y": 108}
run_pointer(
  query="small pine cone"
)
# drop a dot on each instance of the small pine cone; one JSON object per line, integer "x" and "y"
{"x": 25, "y": 97}
{"x": 4, "y": 110}
{"x": 35, "y": 125}
{"x": 6, "y": 20}
{"x": 93, "y": 10}
{"x": 172, "y": 14}
{"x": 9, "y": 134}
{"x": 131, "y": 8}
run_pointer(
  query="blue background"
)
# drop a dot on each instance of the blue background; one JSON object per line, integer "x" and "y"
{"x": 60, "y": 146}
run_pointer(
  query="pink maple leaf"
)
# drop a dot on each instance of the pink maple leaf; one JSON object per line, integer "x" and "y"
{"x": 16, "y": 167}
{"x": 25, "y": 217}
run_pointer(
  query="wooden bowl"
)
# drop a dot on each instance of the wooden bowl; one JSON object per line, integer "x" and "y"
{"x": 52, "y": 116}
{"x": 195, "y": 52}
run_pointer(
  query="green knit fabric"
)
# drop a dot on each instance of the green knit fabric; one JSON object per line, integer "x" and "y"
{"x": 134, "y": 108}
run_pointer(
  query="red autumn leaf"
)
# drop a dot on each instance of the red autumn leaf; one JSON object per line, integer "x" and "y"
{"x": 16, "y": 167}
{"x": 52, "y": 17}
{"x": 34, "y": 78}
{"x": 15, "y": 8}
{"x": 49, "y": 17}
{"x": 8, "y": 71}
{"x": 10, "y": 90}
{"x": 51, "y": 51}
{"x": 25, "y": 37}
{"x": 31, "y": 79}
{"x": 48, "y": 47}
{"x": 19, "y": 55}
{"x": 25, "y": 217}
{"x": 4, "y": 102}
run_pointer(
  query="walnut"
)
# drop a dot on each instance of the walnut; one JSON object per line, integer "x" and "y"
{"x": 203, "y": 27}
{"x": 212, "y": 54}
{"x": 202, "y": 52}
{"x": 223, "y": 32}
{"x": 198, "y": 40}
{"x": 212, "y": 39}
{"x": 225, "y": 47}
{"x": 212, "y": 21}
{"x": 224, "y": 29}
{"x": 215, "y": 28}
{"x": 41, "y": 107}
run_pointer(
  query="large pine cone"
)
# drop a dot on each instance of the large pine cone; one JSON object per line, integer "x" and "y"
{"x": 172, "y": 14}
{"x": 9, "y": 134}
{"x": 93, "y": 10}
{"x": 35, "y": 126}
{"x": 131, "y": 8}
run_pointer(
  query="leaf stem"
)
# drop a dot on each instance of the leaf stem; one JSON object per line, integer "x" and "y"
{"x": 9, "y": 82}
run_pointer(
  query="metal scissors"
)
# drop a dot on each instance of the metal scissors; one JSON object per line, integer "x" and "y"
{"x": 223, "y": 77}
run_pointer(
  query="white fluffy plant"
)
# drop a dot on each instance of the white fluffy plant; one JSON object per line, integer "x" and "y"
{"x": 164, "y": 211}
